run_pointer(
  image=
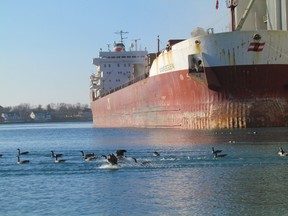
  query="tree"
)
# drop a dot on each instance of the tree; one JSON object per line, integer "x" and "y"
{"x": 22, "y": 109}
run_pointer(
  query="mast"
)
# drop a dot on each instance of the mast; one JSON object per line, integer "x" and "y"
{"x": 136, "y": 40}
{"x": 121, "y": 35}
{"x": 232, "y": 4}
{"x": 158, "y": 44}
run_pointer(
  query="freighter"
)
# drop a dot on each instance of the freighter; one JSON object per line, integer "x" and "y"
{"x": 236, "y": 79}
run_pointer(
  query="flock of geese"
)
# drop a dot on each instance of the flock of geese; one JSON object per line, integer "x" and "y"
{"x": 111, "y": 158}
{"x": 114, "y": 157}
{"x": 217, "y": 154}
{"x": 53, "y": 155}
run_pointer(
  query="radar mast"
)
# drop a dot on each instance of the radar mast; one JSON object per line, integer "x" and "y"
{"x": 121, "y": 35}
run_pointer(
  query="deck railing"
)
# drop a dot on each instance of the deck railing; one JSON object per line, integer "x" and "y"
{"x": 137, "y": 79}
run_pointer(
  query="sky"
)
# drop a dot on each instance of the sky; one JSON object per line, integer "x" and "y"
{"x": 47, "y": 46}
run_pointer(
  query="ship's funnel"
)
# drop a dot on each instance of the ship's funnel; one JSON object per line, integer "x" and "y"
{"x": 118, "y": 47}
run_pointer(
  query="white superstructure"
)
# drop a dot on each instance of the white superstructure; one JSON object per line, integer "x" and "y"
{"x": 117, "y": 69}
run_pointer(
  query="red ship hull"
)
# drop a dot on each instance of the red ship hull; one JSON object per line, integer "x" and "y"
{"x": 222, "y": 97}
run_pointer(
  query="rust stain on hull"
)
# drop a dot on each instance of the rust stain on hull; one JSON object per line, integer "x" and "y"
{"x": 184, "y": 101}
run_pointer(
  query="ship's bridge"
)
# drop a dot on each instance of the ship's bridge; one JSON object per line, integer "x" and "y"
{"x": 115, "y": 70}
{"x": 123, "y": 56}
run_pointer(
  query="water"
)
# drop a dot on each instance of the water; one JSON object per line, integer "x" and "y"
{"x": 184, "y": 180}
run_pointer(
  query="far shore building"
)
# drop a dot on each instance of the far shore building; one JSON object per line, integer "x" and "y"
{"x": 40, "y": 117}
{"x": 12, "y": 117}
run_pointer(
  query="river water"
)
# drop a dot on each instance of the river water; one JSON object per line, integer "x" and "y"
{"x": 186, "y": 179}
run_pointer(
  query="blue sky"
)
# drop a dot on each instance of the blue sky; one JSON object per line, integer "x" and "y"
{"x": 47, "y": 46}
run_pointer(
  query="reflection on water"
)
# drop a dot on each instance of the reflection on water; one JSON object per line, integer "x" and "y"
{"x": 185, "y": 179}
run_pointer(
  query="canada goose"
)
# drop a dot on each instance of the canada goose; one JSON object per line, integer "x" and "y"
{"x": 120, "y": 153}
{"x": 156, "y": 154}
{"x": 21, "y": 161}
{"x": 53, "y": 155}
{"x": 112, "y": 159}
{"x": 90, "y": 158}
{"x": 87, "y": 155}
{"x": 58, "y": 161}
{"x": 282, "y": 152}
{"x": 219, "y": 155}
{"x": 216, "y": 151}
{"x": 22, "y": 153}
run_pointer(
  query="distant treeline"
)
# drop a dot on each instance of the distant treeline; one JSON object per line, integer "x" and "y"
{"x": 58, "y": 112}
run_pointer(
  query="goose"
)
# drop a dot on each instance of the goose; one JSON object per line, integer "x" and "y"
{"x": 22, "y": 153}
{"x": 216, "y": 155}
{"x": 120, "y": 153}
{"x": 282, "y": 152}
{"x": 58, "y": 161}
{"x": 156, "y": 154}
{"x": 216, "y": 151}
{"x": 87, "y": 155}
{"x": 112, "y": 159}
{"x": 90, "y": 158}
{"x": 21, "y": 161}
{"x": 53, "y": 155}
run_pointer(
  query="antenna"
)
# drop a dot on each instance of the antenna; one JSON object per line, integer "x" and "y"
{"x": 158, "y": 44}
{"x": 121, "y": 35}
{"x": 135, "y": 40}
